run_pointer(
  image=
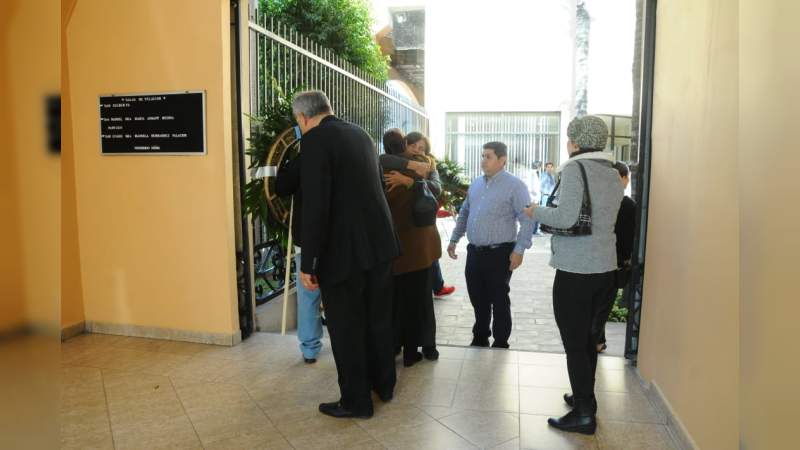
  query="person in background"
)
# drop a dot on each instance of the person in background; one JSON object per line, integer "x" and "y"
{"x": 309, "y": 323}
{"x": 440, "y": 290}
{"x": 495, "y": 203}
{"x": 548, "y": 183}
{"x": 349, "y": 244}
{"x": 417, "y": 144}
{"x": 535, "y": 186}
{"x": 585, "y": 263}
{"x": 624, "y": 229}
{"x": 414, "y": 318}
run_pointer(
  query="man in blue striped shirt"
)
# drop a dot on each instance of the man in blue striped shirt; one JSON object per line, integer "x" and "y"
{"x": 494, "y": 204}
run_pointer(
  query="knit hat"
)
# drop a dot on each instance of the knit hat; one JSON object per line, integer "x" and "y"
{"x": 588, "y": 132}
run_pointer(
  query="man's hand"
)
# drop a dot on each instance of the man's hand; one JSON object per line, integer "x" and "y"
{"x": 516, "y": 261}
{"x": 531, "y": 210}
{"x": 309, "y": 281}
{"x": 420, "y": 168}
{"x": 396, "y": 179}
{"x": 451, "y": 250}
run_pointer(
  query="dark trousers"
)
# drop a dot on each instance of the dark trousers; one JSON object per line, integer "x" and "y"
{"x": 414, "y": 319}
{"x": 438, "y": 280}
{"x": 577, "y": 301}
{"x": 359, "y": 317}
{"x": 487, "y": 277}
{"x": 599, "y": 323}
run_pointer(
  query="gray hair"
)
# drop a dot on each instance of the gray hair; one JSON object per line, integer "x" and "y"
{"x": 311, "y": 103}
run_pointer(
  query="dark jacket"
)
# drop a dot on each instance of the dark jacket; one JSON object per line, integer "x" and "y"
{"x": 288, "y": 183}
{"x": 420, "y": 246}
{"x": 625, "y": 228}
{"x": 347, "y": 226}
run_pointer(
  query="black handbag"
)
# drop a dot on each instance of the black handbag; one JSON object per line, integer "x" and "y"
{"x": 583, "y": 226}
{"x": 424, "y": 208}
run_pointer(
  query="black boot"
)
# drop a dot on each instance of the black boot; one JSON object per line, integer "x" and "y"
{"x": 570, "y": 400}
{"x": 411, "y": 357}
{"x": 385, "y": 396}
{"x": 430, "y": 353}
{"x": 479, "y": 342}
{"x": 580, "y": 420}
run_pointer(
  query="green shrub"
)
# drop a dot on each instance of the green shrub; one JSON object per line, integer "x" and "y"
{"x": 343, "y": 26}
{"x": 265, "y": 130}
{"x": 454, "y": 187}
{"x": 618, "y": 313}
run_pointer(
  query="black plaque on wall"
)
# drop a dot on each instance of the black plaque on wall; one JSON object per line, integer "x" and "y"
{"x": 171, "y": 123}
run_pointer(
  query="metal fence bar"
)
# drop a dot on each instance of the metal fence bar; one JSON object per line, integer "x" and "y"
{"x": 284, "y": 59}
{"x": 313, "y": 54}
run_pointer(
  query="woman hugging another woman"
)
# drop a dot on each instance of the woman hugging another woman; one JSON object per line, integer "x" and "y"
{"x": 405, "y": 164}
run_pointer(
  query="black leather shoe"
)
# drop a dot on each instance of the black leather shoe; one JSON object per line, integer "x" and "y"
{"x": 409, "y": 359}
{"x": 309, "y": 360}
{"x": 570, "y": 400}
{"x": 335, "y": 409}
{"x": 580, "y": 420}
{"x": 430, "y": 353}
{"x": 479, "y": 342}
{"x": 496, "y": 344}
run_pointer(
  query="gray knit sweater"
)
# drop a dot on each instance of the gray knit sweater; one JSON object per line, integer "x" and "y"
{"x": 595, "y": 253}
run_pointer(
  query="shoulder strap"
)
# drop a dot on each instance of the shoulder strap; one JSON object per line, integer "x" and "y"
{"x": 551, "y": 198}
{"x": 586, "y": 196}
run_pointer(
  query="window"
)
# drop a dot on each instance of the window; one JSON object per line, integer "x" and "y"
{"x": 530, "y": 136}
{"x": 619, "y": 137}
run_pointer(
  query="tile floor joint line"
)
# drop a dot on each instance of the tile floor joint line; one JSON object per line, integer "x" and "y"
{"x": 108, "y": 409}
{"x": 269, "y": 419}
{"x": 460, "y": 371}
{"x": 457, "y": 433}
{"x": 519, "y": 434}
{"x": 175, "y": 390}
{"x": 519, "y": 404}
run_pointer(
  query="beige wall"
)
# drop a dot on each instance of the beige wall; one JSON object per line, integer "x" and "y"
{"x": 12, "y": 307}
{"x": 72, "y": 312}
{"x": 155, "y": 234}
{"x": 690, "y": 321}
{"x": 29, "y": 275}
{"x": 770, "y": 244}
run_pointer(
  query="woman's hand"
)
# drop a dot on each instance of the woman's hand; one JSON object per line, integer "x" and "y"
{"x": 395, "y": 179}
{"x": 531, "y": 210}
{"x": 420, "y": 168}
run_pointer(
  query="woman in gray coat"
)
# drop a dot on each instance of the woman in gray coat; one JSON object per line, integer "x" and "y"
{"x": 585, "y": 264}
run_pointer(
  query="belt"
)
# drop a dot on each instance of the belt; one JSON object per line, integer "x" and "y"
{"x": 482, "y": 248}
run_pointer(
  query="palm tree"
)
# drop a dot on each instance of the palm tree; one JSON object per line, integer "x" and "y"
{"x": 637, "y": 81}
{"x": 582, "y": 28}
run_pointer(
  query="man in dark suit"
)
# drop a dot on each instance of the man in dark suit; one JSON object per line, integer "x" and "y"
{"x": 349, "y": 244}
{"x": 624, "y": 229}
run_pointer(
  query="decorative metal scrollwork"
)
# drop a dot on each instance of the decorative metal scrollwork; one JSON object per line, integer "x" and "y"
{"x": 285, "y": 148}
{"x": 269, "y": 256}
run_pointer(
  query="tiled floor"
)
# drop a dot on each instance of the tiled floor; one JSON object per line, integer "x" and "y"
{"x": 132, "y": 393}
{"x": 534, "y": 325}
